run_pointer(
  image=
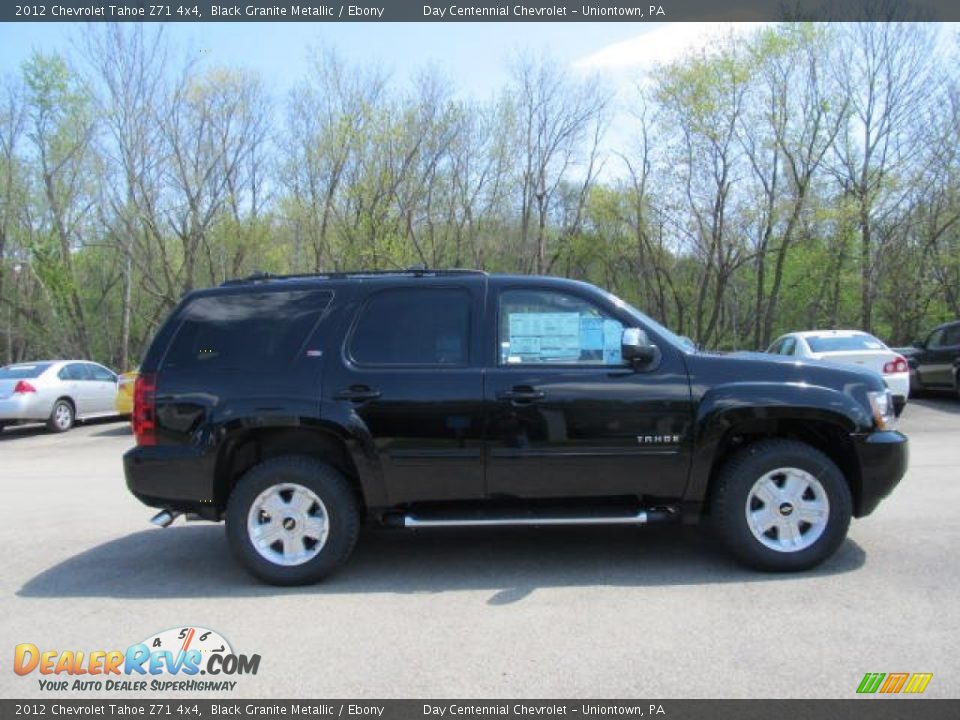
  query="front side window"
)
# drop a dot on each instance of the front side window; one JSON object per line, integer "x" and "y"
{"x": 789, "y": 346}
{"x": 544, "y": 327}
{"x": 936, "y": 339}
{"x": 413, "y": 326}
{"x": 951, "y": 336}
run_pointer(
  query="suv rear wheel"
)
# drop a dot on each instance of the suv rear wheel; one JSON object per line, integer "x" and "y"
{"x": 292, "y": 520}
{"x": 781, "y": 505}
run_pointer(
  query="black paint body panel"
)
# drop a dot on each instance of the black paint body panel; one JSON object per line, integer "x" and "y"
{"x": 426, "y": 434}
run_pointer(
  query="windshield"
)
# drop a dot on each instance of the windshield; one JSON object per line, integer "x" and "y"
{"x": 841, "y": 343}
{"x": 682, "y": 343}
{"x": 21, "y": 372}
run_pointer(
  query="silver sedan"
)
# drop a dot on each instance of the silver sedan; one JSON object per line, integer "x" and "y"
{"x": 57, "y": 392}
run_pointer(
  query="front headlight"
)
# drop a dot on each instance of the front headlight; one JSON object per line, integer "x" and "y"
{"x": 881, "y": 404}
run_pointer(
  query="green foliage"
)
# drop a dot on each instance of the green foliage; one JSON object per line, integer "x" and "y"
{"x": 198, "y": 180}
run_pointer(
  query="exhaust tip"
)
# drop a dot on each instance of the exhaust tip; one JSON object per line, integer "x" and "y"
{"x": 164, "y": 518}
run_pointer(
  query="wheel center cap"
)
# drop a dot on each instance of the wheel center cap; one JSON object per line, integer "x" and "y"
{"x": 786, "y": 508}
{"x": 289, "y": 523}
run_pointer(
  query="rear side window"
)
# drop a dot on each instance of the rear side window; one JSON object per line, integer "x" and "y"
{"x": 251, "y": 332}
{"x": 21, "y": 372}
{"x": 73, "y": 371}
{"x": 415, "y": 326}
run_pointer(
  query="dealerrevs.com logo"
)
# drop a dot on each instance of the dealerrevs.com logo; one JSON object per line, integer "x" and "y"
{"x": 894, "y": 683}
{"x": 172, "y": 660}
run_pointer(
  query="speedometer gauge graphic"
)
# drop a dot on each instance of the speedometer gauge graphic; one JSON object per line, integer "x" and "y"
{"x": 183, "y": 639}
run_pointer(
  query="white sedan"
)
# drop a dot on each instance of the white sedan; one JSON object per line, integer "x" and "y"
{"x": 850, "y": 347}
{"x": 58, "y": 392}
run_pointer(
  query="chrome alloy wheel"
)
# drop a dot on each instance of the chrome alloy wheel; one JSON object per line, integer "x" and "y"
{"x": 288, "y": 524}
{"x": 62, "y": 416}
{"x": 787, "y": 510}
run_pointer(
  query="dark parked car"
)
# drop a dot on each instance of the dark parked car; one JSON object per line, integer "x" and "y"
{"x": 935, "y": 362}
{"x": 296, "y": 408}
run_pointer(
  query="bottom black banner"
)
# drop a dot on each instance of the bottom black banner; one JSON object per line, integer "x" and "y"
{"x": 866, "y": 708}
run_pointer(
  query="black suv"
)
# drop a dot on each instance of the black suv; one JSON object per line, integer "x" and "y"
{"x": 935, "y": 362}
{"x": 298, "y": 407}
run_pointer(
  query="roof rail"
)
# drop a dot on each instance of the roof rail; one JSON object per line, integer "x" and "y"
{"x": 415, "y": 271}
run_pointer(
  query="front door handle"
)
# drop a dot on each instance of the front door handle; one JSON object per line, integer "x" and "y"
{"x": 521, "y": 394}
{"x": 358, "y": 393}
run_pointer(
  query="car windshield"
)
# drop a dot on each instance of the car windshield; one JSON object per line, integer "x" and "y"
{"x": 683, "y": 343}
{"x": 23, "y": 371}
{"x": 841, "y": 343}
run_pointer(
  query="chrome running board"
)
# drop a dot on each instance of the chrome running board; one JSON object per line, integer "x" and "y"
{"x": 411, "y": 521}
{"x": 641, "y": 517}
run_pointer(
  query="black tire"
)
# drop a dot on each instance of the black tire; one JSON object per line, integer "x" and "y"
{"x": 56, "y": 423}
{"x": 338, "y": 501}
{"x": 733, "y": 488}
{"x": 916, "y": 387}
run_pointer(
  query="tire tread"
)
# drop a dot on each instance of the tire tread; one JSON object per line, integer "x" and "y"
{"x": 336, "y": 493}
{"x": 729, "y": 497}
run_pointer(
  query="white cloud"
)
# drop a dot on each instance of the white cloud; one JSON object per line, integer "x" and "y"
{"x": 661, "y": 44}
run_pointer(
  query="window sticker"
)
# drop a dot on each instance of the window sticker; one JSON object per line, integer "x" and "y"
{"x": 612, "y": 338}
{"x": 591, "y": 333}
{"x": 526, "y": 345}
{"x": 542, "y": 337}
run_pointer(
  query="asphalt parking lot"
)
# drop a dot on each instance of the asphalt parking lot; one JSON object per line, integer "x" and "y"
{"x": 573, "y": 613}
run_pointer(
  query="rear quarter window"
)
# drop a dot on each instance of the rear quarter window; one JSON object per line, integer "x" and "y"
{"x": 250, "y": 332}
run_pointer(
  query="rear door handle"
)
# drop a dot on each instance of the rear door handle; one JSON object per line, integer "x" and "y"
{"x": 358, "y": 393}
{"x": 521, "y": 394}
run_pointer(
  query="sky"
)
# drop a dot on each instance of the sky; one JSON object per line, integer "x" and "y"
{"x": 474, "y": 55}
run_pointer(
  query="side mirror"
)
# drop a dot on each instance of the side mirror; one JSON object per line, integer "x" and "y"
{"x": 918, "y": 344}
{"x": 635, "y": 347}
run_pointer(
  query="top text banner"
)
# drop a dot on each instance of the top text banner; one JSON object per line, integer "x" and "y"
{"x": 488, "y": 11}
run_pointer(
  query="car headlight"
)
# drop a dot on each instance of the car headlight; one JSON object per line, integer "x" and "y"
{"x": 881, "y": 405}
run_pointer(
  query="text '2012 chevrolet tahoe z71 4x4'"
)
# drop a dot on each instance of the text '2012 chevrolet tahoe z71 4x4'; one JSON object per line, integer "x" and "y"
{"x": 298, "y": 407}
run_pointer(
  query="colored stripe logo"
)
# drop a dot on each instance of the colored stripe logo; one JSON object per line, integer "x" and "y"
{"x": 893, "y": 683}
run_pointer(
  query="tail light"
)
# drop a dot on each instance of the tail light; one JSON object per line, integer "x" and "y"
{"x": 144, "y": 409}
{"x": 22, "y": 387}
{"x": 897, "y": 365}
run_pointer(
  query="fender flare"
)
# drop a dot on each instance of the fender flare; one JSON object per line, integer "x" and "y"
{"x": 748, "y": 406}
{"x": 354, "y": 437}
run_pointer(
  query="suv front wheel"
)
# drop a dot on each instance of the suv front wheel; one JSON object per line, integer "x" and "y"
{"x": 781, "y": 505}
{"x": 292, "y": 520}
